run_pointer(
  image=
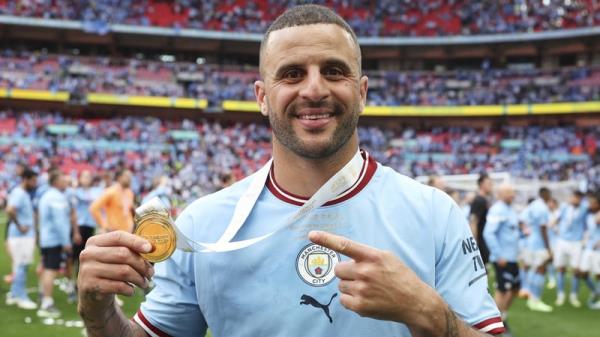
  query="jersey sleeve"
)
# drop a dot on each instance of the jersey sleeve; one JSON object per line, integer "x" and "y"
{"x": 492, "y": 226}
{"x": 545, "y": 217}
{"x": 171, "y": 308}
{"x": 15, "y": 199}
{"x": 460, "y": 275}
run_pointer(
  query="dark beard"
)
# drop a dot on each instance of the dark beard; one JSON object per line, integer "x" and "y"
{"x": 286, "y": 135}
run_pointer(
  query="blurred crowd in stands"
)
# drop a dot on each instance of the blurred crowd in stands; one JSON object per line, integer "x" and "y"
{"x": 482, "y": 86}
{"x": 368, "y": 18}
{"x": 215, "y": 153}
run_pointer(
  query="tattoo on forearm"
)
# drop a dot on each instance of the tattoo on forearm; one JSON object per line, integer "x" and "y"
{"x": 451, "y": 324}
{"x": 112, "y": 323}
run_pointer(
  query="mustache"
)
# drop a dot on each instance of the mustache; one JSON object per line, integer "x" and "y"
{"x": 335, "y": 107}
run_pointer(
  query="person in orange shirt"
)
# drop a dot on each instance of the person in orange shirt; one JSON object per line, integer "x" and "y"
{"x": 116, "y": 202}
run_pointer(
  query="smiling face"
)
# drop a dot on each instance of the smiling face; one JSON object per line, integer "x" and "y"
{"x": 312, "y": 90}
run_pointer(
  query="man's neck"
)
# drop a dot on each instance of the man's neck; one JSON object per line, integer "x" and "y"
{"x": 304, "y": 177}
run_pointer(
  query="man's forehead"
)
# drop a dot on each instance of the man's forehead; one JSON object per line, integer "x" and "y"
{"x": 309, "y": 39}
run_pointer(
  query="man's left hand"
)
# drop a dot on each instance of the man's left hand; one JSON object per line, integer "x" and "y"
{"x": 376, "y": 284}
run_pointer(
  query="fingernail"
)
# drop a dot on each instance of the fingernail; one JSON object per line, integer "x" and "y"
{"x": 150, "y": 272}
{"x": 147, "y": 247}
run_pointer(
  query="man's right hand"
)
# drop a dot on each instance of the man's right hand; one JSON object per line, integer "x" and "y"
{"x": 109, "y": 265}
{"x": 23, "y": 229}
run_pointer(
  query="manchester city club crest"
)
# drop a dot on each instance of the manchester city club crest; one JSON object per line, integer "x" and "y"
{"x": 315, "y": 265}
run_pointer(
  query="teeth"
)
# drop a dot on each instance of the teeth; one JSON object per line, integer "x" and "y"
{"x": 314, "y": 116}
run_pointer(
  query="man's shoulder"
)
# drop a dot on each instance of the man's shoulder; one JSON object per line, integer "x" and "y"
{"x": 499, "y": 207}
{"x": 388, "y": 178}
{"x": 396, "y": 189}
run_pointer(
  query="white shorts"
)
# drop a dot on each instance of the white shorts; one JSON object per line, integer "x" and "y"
{"x": 590, "y": 262}
{"x": 535, "y": 258}
{"x": 21, "y": 250}
{"x": 567, "y": 254}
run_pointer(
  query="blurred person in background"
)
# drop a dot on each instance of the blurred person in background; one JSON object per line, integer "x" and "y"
{"x": 55, "y": 239}
{"x": 114, "y": 208}
{"x": 589, "y": 266}
{"x": 478, "y": 213}
{"x": 82, "y": 197}
{"x": 539, "y": 253}
{"x": 571, "y": 228}
{"x": 21, "y": 238}
{"x": 501, "y": 234}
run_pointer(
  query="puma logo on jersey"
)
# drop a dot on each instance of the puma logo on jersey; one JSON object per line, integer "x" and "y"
{"x": 309, "y": 300}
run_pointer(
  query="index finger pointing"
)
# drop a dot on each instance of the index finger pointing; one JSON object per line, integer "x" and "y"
{"x": 121, "y": 239}
{"x": 342, "y": 245}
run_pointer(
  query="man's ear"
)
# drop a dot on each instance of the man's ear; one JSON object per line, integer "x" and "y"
{"x": 363, "y": 88}
{"x": 261, "y": 98}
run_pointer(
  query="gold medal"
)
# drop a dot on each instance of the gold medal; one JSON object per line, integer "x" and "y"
{"x": 155, "y": 225}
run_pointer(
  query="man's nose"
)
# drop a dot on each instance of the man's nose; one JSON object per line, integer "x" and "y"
{"x": 315, "y": 87}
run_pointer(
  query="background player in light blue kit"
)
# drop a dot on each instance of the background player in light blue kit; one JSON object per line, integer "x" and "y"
{"x": 21, "y": 238}
{"x": 55, "y": 239}
{"x": 569, "y": 244}
{"x": 502, "y": 237}
{"x": 538, "y": 249}
{"x": 590, "y": 259}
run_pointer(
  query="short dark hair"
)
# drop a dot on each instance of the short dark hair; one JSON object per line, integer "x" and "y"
{"x": 544, "y": 193}
{"x": 309, "y": 15}
{"x": 28, "y": 174}
{"x": 120, "y": 172}
{"x": 578, "y": 194}
{"x": 482, "y": 177}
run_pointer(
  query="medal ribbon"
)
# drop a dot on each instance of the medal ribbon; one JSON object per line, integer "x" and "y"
{"x": 336, "y": 185}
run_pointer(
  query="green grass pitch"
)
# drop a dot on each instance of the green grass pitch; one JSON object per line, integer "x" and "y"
{"x": 565, "y": 321}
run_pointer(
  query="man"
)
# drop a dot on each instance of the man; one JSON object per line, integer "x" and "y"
{"x": 590, "y": 259}
{"x": 55, "y": 239}
{"x": 479, "y": 209}
{"x": 572, "y": 223}
{"x": 21, "y": 238}
{"x": 425, "y": 261}
{"x": 539, "y": 253}
{"x": 502, "y": 236}
{"x": 117, "y": 204}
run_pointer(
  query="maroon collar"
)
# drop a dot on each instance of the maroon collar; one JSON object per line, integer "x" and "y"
{"x": 366, "y": 173}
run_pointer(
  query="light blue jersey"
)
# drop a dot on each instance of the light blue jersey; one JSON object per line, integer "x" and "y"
{"x": 285, "y": 285}
{"x": 81, "y": 198}
{"x": 572, "y": 222}
{"x": 55, "y": 222}
{"x": 501, "y": 232}
{"x": 593, "y": 232}
{"x": 21, "y": 201}
{"x": 538, "y": 215}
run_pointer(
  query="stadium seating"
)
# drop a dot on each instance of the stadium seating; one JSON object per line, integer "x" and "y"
{"x": 26, "y": 70}
{"x": 368, "y": 18}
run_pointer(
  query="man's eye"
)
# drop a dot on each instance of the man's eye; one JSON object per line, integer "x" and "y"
{"x": 292, "y": 74}
{"x": 333, "y": 72}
